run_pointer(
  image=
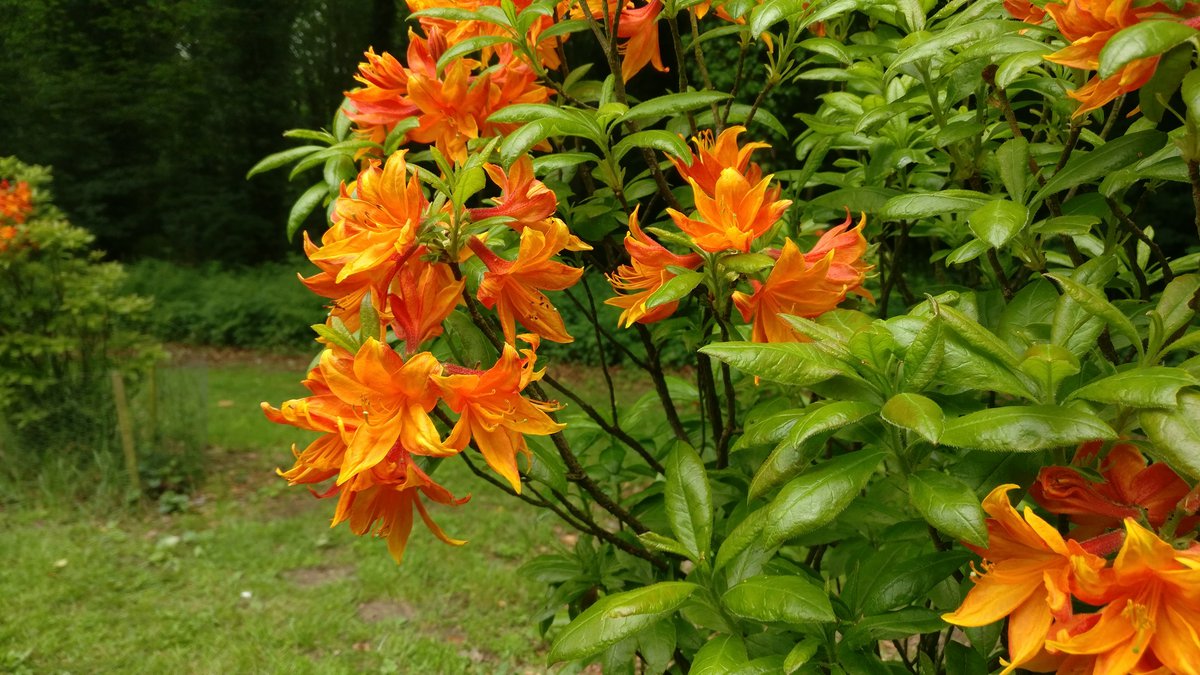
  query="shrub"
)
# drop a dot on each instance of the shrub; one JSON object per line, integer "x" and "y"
{"x": 994, "y": 321}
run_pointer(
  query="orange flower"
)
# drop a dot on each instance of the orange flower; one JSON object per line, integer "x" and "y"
{"x": 373, "y": 233}
{"x": 1088, "y": 25}
{"x": 386, "y": 485}
{"x": 1152, "y": 598}
{"x": 1025, "y": 11}
{"x": 382, "y": 102}
{"x": 515, "y": 287}
{"x": 638, "y": 27}
{"x": 393, "y": 398}
{"x": 713, "y": 156}
{"x": 522, "y": 197}
{"x": 806, "y": 285}
{"x": 457, "y": 31}
{"x": 493, "y": 412}
{"x": 734, "y": 216}
{"x": 1131, "y": 489}
{"x": 644, "y": 275}
{"x": 7, "y": 233}
{"x": 16, "y": 201}
{"x": 1028, "y": 568}
{"x": 421, "y": 296}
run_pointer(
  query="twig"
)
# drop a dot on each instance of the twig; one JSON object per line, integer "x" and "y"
{"x": 655, "y": 370}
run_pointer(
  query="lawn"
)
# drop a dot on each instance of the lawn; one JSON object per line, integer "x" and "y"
{"x": 250, "y": 578}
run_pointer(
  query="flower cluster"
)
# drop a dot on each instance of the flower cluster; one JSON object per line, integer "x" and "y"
{"x": 1088, "y": 25}
{"x": 389, "y": 263}
{"x": 1070, "y": 607}
{"x": 735, "y": 207}
{"x": 16, "y": 203}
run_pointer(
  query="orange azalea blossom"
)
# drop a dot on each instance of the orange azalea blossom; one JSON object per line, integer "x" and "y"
{"x": 514, "y": 288}
{"x": 1088, "y": 25}
{"x": 526, "y": 200}
{"x": 1151, "y": 614}
{"x": 375, "y": 224}
{"x": 494, "y": 414}
{"x": 1025, "y": 11}
{"x": 393, "y": 399}
{"x": 382, "y": 102}
{"x": 386, "y": 492}
{"x": 637, "y": 26}
{"x": 1028, "y": 569}
{"x": 1131, "y": 489}
{"x": 7, "y": 233}
{"x": 805, "y": 284}
{"x": 714, "y": 156}
{"x": 16, "y": 201}
{"x": 735, "y": 214}
{"x": 644, "y": 275}
{"x": 421, "y": 296}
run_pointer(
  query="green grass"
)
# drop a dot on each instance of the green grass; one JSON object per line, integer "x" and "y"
{"x": 250, "y": 578}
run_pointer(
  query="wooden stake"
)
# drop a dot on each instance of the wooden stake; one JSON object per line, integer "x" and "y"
{"x": 125, "y": 422}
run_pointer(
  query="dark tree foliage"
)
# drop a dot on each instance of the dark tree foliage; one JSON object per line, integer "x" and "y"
{"x": 151, "y": 111}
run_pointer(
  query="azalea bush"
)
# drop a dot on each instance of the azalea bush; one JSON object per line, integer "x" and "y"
{"x": 941, "y": 409}
{"x": 65, "y": 325}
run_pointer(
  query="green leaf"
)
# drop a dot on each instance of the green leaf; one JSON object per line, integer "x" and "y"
{"x": 917, "y": 414}
{"x": 1025, "y": 429}
{"x": 925, "y": 204}
{"x": 997, "y": 222}
{"x": 747, "y": 263}
{"x": 1013, "y": 158}
{"x": 909, "y": 580}
{"x": 719, "y": 656}
{"x": 746, "y": 533}
{"x": 799, "y": 13}
{"x": 656, "y": 644}
{"x": 655, "y": 139}
{"x": 924, "y": 356}
{"x": 1072, "y": 326}
{"x": 1154, "y": 387}
{"x": 1175, "y": 304}
{"x": 943, "y": 41}
{"x": 338, "y": 335}
{"x": 1049, "y": 364}
{"x": 474, "y": 44}
{"x": 1139, "y": 41}
{"x": 675, "y": 288}
{"x": 304, "y": 206}
{"x": 278, "y": 159}
{"x": 561, "y": 160}
{"x": 818, "y": 496}
{"x": 1113, "y": 155}
{"x": 658, "y": 542}
{"x": 672, "y": 104}
{"x": 788, "y": 599}
{"x": 795, "y": 363}
{"x": 1097, "y": 305}
{"x": 948, "y": 504}
{"x": 689, "y": 501}
{"x": 521, "y": 113}
{"x": 804, "y": 442}
{"x": 983, "y": 340}
{"x": 1176, "y": 434}
{"x": 522, "y": 139}
{"x": 893, "y": 626}
{"x": 801, "y": 654}
{"x": 616, "y": 617}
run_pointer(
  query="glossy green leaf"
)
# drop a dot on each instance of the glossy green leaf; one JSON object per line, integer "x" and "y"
{"x": 278, "y": 159}
{"x": 949, "y": 505}
{"x": 1141, "y": 40}
{"x": 719, "y": 656}
{"x": 787, "y": 599}
{"x": 893, "y": 626}
{"x": 469, "y": 45}
{"x": 746, "y": 533}
{"x": 1176, "y": 434}
{"x": 998, "y": 221}
{"x": 305, "y": 205}
{"x": 942, "y": 42}
{"x": 1095, "y": 303}
{"x": 819, "y": 495}
{"x": 1113, "y": 155}
{"x": 658, "y": 542}
{"x": 801, "y": 654}
{"x": 1013, "y": 158}
{"x": 804, "y": 442}
{"x": 794, "y": 363}
{"x": 655, "y": 139}
{"x": 1072, "y": 326}
{"x": 799, "y": 13}
{"x": 747, "y": 263}
{"x": 1155, "y": 387}
{"x": 924, "y": 356}
{"x": 1049, "y": 364}
{"x": 616, "y": 617}
{"x": 1025, "y": 429}
{"x": 673, "y": 104}
{"x": 1175, "y": 304}
{"x": 676, "y": 288}
{"x": 924, "y": 204}
{"x": 521, "y": 140}
{"x": 917, "y": 414}
{"x": 689, "y": 501}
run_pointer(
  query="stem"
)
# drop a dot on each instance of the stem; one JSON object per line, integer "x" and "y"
{"x": 611, "y": 339}
{"x": 612, "y": 391}
{"x": 616, "y": 431}
{"x": 1194, "y": 176}
{"x": 1131, "y": 252}
{"x": 677, "y": 42}
{"x": 699, "y": 52}
{"x": 998, "y": 269}
{"x": 885, "y": 293}
{"x": 660, "y": 384}
{"x": 730, "y": 399}
{"x": 737, "y": 77}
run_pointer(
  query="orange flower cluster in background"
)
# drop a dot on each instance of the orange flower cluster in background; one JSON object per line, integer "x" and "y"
{"x": 1146, "y": 598}
{"x": 736, "y": 205}
{"x": 1088, "y": 25}
{"x": 637, "y": 26}
{"x": 16, "y": 203}
{"x": 452, "y": 106}
{"x": 375, "y": 408}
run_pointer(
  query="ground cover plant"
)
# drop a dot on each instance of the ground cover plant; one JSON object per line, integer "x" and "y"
{"x": 942, "y": 409}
